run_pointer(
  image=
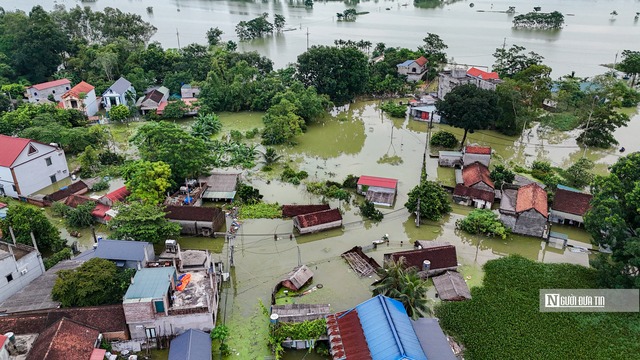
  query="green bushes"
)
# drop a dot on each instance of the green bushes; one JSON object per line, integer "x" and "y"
{"x": 260, "y": 211}
{"x": 248, "y": 194}
{"x": 63, "y": 254}
{"x": 306, "y": 330}
{"x": 393, "y": 109}
{"x": 444, "y": 139}
{"x": 484, "y": 222}
{"x": 329, "y": 189}
{"x": 368, "y": 210}
{"x": 501, "y": 175}
{"x": 291, "y": 176}
{"x": 103, "y": 184}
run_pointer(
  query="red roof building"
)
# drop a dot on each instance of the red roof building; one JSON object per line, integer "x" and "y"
{"x": 484, "y": 150}
{"x": 422, "y": 61}
{"x": 82, "y": 88}
{"x": 532, "y": 196}
{"x": 471, "y": 195}
{"x": 569, "y": 206}
{"x": 374, "y": 181}
{"x": 378, "y": 190}
{"x": 477, "y": 176}
{"x": 51, "y": 84}
{"x": 317, "y": 221}
{"x": 442, "y": 258}
{"x": 66, "y": 339}
{"x": 477, "y": 73}
{"x": 10, "y": 148}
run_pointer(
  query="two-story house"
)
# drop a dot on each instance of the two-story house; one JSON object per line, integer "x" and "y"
{"x": 81, "y": 97}
{"x": 40, "y": 92}
{"x": 450, "y": 79}
{"x": 160, "y": 301}
{"x": 19, "y": 266}
{"x": 121, "y": 92}
{"x": 413, "y": 69}
{"x": 27, "y": 166}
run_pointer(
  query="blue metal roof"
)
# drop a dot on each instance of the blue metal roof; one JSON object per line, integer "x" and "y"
{"x": 406, "y": 63}
{"x": 191, "y": 345}
{"x": 567, "y": 188}
{"x": 388, "y": 330}
{"x": 150, "y": 283}
{"x": 121, "y": 250}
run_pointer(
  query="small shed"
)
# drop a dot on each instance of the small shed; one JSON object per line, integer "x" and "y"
{"x": 204, "y": 221}
{"x": 481, "y": 154}
{"x": 221, "y": 186}
{"x": 378, "y": 190}
{"x": 425, "y": 113}
{"x": 451, "y": 286}
{"x": 294, "y": 313}
{"x": 189, "y": 91}
{"x": 297, "y": 278}
{"x": 449, "y": 158}
{"x": 318, "y": 221}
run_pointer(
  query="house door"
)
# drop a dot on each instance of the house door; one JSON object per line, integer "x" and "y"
{"x": 151, "y": 333}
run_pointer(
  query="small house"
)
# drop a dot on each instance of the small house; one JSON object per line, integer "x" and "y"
{"x": 19, "y": 266}
{"x": 380, "y": 328}
{"x": 220, "y": 186}
{"x": 425, "y": 113}
{"x": 125, "y": 253}
{"x": 28, "y": 166}
{"x": 152, "y": 99}
{"x": 450, "y": 79}
{"x": 202, "y": 221}
{"x": 120, "y": 93}
{"x": 525, "y": 210}
{"x": 192, "y": 344}
{"x": 189, "y": 91}
{"x": 429, "y": 258}
{"x": 75, "y": 188}
{"x": 451, "y": 287}
{"x": 477, "y": 176}
{"x": 318, "y": 221}
{"x": 480, "y": 199}
{"x": 378, "y": 190}
{"x": 103, "y": 212}
{"x": 66, "y": 339}
{"x": 81, "y": 97}
{"x": 413, "y": 69}
{"x": 40, "y": 93}
{"x": 569, "y": 206}
{"x": 297, "y": 278}
{"x": 289, "y": 211}
{"x": 449, "y": 158}
{"x": 481, "y": 154}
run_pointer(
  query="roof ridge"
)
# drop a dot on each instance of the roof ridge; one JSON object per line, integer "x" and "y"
{"x": 392, "y": 325}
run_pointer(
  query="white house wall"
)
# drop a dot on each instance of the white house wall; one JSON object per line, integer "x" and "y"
{"x": 91, "y": 103}
{"x": 32, "y": 172}
{"x": 36, "y": 96}
{"x": 29, "y": 262}
{"x": 6, "y": 181}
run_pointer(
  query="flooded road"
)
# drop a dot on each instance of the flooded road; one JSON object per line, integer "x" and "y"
{"x": 590, "y": 37}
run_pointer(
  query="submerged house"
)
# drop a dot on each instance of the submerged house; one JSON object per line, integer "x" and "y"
{"x": 569, "y": 206}
{"x": 318, "y": 221}
{"x": 380, "y": 328}
{"x": 295, "y": 210}
{"x": 103, "y": 211}
{"x": 525, "y": 210}
{"x": 449, "y": 158}
{"x": 413, "y": 69}
{"x": 378, "y": 190}
{"x": 472, "y": 154}
{"x": 203, "y": 221}
{"x": 189, "y": 91}
{"x": 451, "y": 286}
{"x": 429, "y": 258}
{"x": 450, "y": 79}
{"x": 296, "y": 278}
{"x": 475, "y": 187}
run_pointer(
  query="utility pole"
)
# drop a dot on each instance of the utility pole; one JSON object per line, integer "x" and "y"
{"x": 178, "y": 36}
{"x": 418, "y": 214}
{"x": 307, "y": 39}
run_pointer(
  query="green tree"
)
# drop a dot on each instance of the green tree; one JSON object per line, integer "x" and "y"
{"x": 214, "y": 36}
{"x": 187, "y": 156}
{"x": 484, "y": 222}
{"x": 80, "y": 216}
{"x": 513, "y": 60}
{"x": 282, "y": 124}
{"x": 96, "y": 282}
{"x": 444, "y": 139}
{"x": 434, "y": 201}
{"x": 501, "y": 175}
{"x": 247, "y": 194}
{"x": 369, "y": 211}
{"x": 434, "y": 48}
{"x": 119, "y": 113}
{"x": 341, "y": 73}
{"x": 278, "y": 22}
{"x": 206, "y": 125}
{"x": 404, "y": 285}
{"x": 89, "y": 161}
{"x": 630, "y": 64}
{"x": 470, "y": 108}
{"x": 579, "y": 174}
{"x": 147, "y": 181}
{"x": 143, "y": 222}
{"x": 270, "y": 156}
{"x": 613, "y": 221}
{"x": 254, "y": 28}
{"x": 175, "y": 110}
{"x": 25, "y": 219}
{"x": 598, "y": 129}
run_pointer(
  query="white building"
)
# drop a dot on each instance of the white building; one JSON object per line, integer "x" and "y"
{"x": 19, "y": 266}
{"x": 40, "y": 92}
{"x": 81, "y": 97}
{"x": 413, "y": 69}
{"x": 449, "y": 80}
{"x": 121, "y": 92}
{"x": 27, "y": 166}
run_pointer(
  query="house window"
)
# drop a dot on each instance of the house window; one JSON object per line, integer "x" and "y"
{"x": 151, "y": 333}
{"x": 53, "y": 178}
{"x": 48, "y": 161}
{"x": 35, "y": 94}
{"x": 53, "y": 91}
{"x": 67, "y": 88}
{"x": 413, "y": 70}
{"x": 14, "y": 188}
{"x": 32, "y": 150}
{"x": 9, "y": 277}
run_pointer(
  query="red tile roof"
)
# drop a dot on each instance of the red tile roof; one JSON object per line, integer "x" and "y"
{"x": 75, "y": 200}
{"x": 82, "y": 87}
{"x": 118, "y": 195}
{"x": 10, "y": 149}
{"x": 421, "y": 60}
{"x": 3, "y": 205}
{"x": 571, "y": 202}
{"x": 319, "y": 217}
{"x": 378, "y": 182}
{"x": 2, "y": 340}
{"x": 476, "y": 173}
{"x": 101, "y": 210}
{"x": 98, "y": 354}
{"x": 76, "y": 187}
{"x": 473, "y": 193}
{"x": 532, "y": 196}
{"x": 50, "y": 84}
{"x": 64, "y": 340}
{"x": 295, "y": 210}
{"x": 441, "y": 257}
{"x": 482, "y": 150}
{"x": 475, "y": 72}
{"x": 346, "y": 336}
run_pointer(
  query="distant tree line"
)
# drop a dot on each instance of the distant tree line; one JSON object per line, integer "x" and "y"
{"x": 537, "y": 20}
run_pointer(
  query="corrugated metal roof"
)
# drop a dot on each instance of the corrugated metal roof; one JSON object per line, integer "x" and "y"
{"x": 406, "y": 63}
{"x": 434, "y": 342}
{"x": 191, "y": 345}
{"x": 121, "y": 250}
{"x": 388, "y": 330}
{"x": 150, "y": 283}
{"x": 378, "y": 181}
{"x": 119, "y": 87}
{"x": 450, "y": 153}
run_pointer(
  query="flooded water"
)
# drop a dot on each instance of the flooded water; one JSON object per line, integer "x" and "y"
{"x": 590, "y": 37}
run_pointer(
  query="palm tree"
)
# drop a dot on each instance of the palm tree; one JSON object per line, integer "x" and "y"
{"x": 270, "y": 156}
{"x": 404, "y": 285}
